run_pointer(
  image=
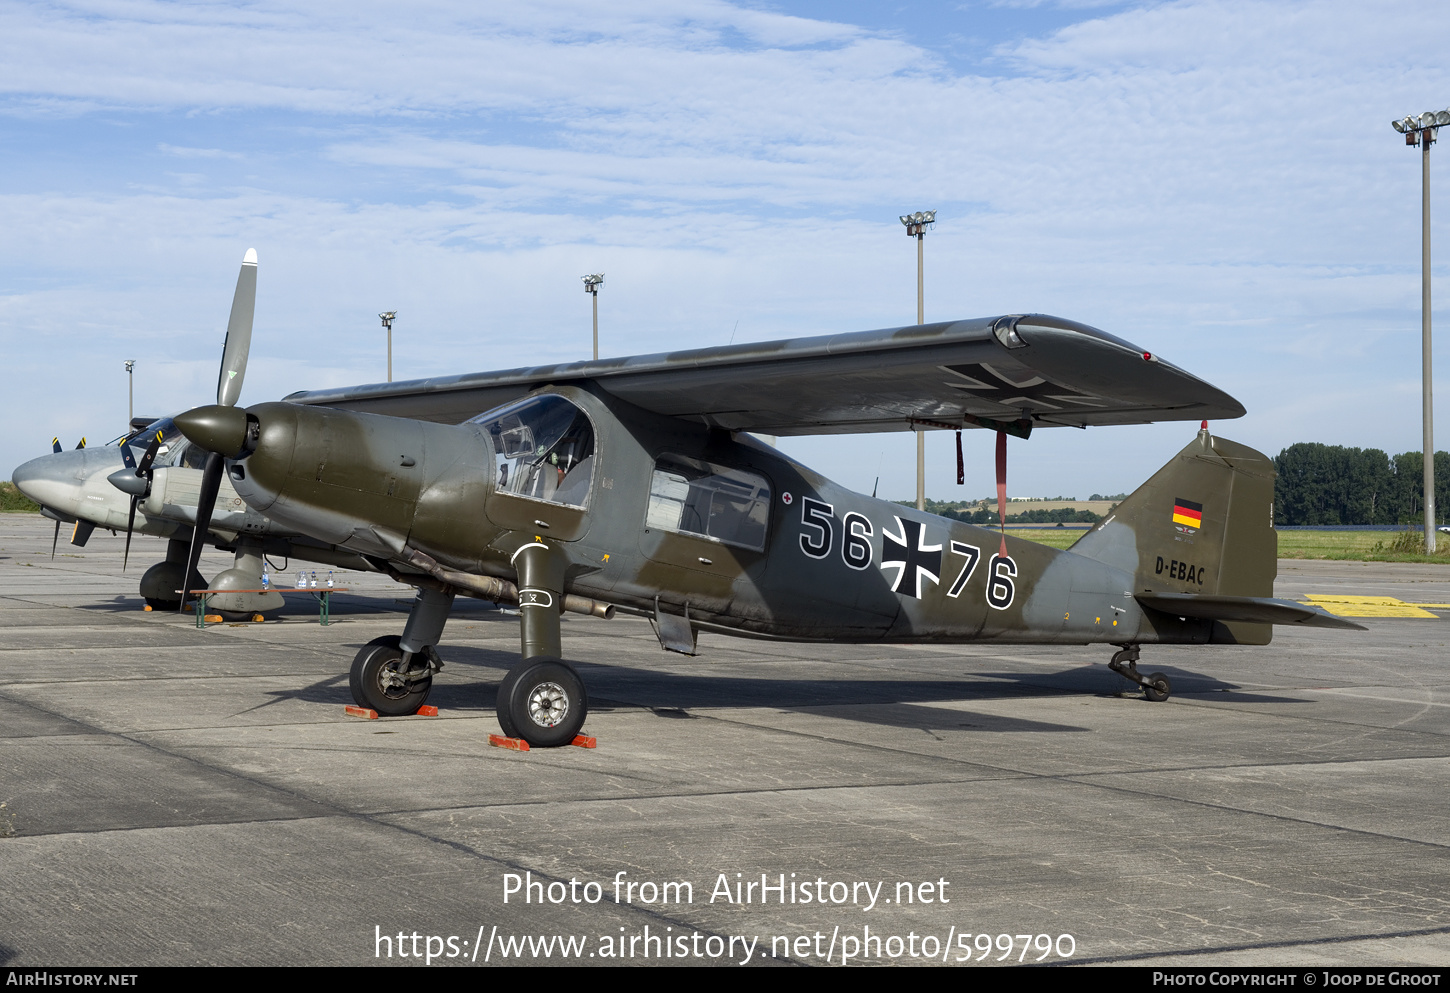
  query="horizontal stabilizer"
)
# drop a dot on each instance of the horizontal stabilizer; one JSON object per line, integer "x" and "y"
{"x": 1257, "y": 609}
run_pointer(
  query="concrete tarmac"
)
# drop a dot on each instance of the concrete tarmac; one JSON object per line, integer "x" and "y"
{"x": 174, "y": 796}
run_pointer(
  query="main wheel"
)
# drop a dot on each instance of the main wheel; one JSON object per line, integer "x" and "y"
{"x": 1158, "y": 688}
{"x": 377, "y": 684}
{"x": 542, "y": 701}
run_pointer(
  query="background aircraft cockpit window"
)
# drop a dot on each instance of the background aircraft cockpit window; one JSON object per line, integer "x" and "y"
{"x": 171, "y": 437}
{"x": 729, "y": 505}
{"x": 544, "y": 447}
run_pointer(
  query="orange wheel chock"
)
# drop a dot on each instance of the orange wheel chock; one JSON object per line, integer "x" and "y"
{"x": 427, "y": 710}
{"x": 517, "y": 744}
{"x": 584, "y": 741}
{"x": 364, "y": 712}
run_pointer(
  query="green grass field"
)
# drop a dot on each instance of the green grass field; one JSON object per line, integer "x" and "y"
{"x": 11, "y": 500}
{"x": 1358, "y": 546}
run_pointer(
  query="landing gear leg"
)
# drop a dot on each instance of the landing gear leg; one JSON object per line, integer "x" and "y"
{"x": 542, "y": 699}
{"x": 160, "y": 582}
{"x": 394, "y": 675}
{"x": 245, "y": 574}
{"x": 1125, "y": 663}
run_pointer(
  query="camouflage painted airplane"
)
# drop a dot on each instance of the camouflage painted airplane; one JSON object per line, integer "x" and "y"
{"x": 630, "y": 484}
{"x": 156, "y": 471}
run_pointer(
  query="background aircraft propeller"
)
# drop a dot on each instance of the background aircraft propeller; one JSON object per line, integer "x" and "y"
{"x": 56, "y": 449}
{"x": 229, "y": 386}
{"x": 136, "y": 482}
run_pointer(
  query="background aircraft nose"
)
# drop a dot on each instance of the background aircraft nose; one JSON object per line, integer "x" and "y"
{"x": 52, "y": 480}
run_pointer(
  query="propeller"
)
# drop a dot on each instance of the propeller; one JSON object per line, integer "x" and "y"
{"x": 56, "y": 449}
{"x": 135, "y": 480}
{"x": 229, "y": 386}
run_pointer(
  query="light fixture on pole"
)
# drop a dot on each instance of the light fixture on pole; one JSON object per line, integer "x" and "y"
{"x": 1423, "y": 131}
{"x": 130, "y": 393}
{"x": 592, "y": 283}
{"x": 916, "y": 225}
{"x": 387, "y": 318}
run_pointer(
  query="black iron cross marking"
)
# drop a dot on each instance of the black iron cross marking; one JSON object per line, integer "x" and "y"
{"x": 914, "y": 560}
{"x": 992, "y": 385}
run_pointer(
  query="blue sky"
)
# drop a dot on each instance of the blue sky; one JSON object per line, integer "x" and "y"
{"x": 1216, "y": 180}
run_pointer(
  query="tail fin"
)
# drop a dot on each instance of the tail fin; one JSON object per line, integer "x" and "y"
{"x": 1203, "y": 524}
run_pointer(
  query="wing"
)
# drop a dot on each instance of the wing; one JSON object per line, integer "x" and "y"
{"x": 1046, "y": 369}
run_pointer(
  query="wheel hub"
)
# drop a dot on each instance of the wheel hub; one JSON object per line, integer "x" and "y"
{"x": 392, "y": 683}
{"x": 548, "y": 704}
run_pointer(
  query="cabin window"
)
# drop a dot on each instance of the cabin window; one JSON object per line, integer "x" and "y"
{"x": 714, "y": 501}
{"x": 543, "y": 449}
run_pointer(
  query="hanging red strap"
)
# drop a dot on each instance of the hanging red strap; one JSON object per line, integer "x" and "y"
{"x": 1002, "y": 488}
{"x": 961, "y": 469}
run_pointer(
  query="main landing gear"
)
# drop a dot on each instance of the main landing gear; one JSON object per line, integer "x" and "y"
{"x": 541, "y": 700}
{"x": 1125, "y": 663}
{"x": 393, "y": 675}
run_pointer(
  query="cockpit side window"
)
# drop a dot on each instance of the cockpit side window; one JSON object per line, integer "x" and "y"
{"x": 544, "y": 449}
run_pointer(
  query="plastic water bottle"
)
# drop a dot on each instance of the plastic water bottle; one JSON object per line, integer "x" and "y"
{"x": 329, "y": 579}
{"x": 301, "y": 579}
{"x": 314, "y": 579}
{"x": 266, "y": 580}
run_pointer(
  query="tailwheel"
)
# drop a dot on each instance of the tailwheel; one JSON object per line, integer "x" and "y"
{"x": 542, "y": 701}
{"x": 380, "y": 683}
{"x": 1157, "y": 688}
{"x": 1125, "y": 663}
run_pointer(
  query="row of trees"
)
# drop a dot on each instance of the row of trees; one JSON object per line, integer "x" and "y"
{"x": 1331, "y": 484}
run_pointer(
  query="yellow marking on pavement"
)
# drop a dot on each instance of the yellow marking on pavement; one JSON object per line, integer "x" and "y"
{"x": 1347, "y": 605}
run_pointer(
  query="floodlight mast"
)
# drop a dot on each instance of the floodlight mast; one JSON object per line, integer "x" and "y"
{"x": 387, "y": 318}
{"x": 916, "y": 225}
{"x": 592, "y": 283}
{"x": 1423, "y": 131}
{"x": 130, "y": 393}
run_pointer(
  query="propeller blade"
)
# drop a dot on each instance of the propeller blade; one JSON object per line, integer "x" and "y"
{"x": 130, "y": 526}
{"x": 239, "y": 333}
{"x": 211, "y": 481}
{"x": 82, "y": 444}
{"x": 143, "y": 468}
{"x": 56, "y": 540}
{"x": 55, "y": 446}
{"x": 127, "y": 459}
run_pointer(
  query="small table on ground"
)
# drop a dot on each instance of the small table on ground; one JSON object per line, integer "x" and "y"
{"x": 323, "y": 594}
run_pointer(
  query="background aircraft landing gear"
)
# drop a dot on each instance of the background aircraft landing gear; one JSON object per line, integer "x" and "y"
{"x": 542, "y": 699}
{"x": 1125, "y": 663}
{"x": 245, "y": 574}
{"x": 394, "y": 675}
{"x": 160, "y": 582}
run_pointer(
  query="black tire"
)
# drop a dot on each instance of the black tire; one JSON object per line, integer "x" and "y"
{"x": 542, "y": 701}
{"x": 372, "y": 689}
{"x": 169, "y": 606}
{"x": 1158, "y": 688}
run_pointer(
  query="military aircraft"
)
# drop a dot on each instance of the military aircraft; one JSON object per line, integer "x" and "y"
{"x": 156, "y": 471}
{"x": 631, "y": 485}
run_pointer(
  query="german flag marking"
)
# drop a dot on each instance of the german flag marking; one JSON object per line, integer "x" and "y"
{"x": 1187, "y": 513}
